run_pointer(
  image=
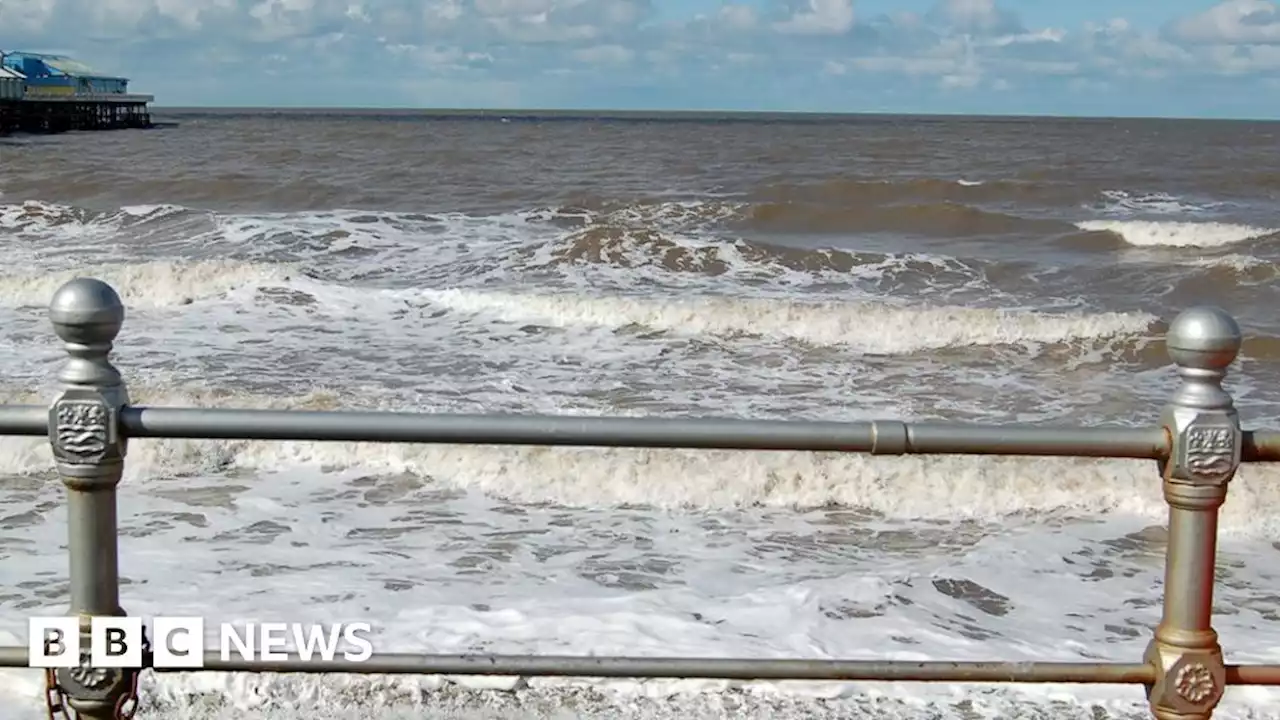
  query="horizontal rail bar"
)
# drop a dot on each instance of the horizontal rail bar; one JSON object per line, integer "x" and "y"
{"x": 659, "y": 667}
{"x": 716, "y": 668}
{"x": 892, "y": 438}
{"x": 713, "y": 668}
{"x": 14, "y": 657}
{"x": 880, "y": 437}
{"x": 974, "y": 439}
{"x": 1260, "y": 446}
{"x": 1253, "y": 675}
{"x": 24, "y": 419}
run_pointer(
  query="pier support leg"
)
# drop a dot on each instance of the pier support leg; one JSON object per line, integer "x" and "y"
{"x": 84, "y": 430}
{"x": 1206, "y": 440}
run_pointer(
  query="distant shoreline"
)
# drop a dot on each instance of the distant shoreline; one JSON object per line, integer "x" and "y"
{"x": 668, "y": 115}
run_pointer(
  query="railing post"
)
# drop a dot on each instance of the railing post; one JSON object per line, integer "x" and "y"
{"x": 84, "y": 430}
{"x": 1205, "y": 442}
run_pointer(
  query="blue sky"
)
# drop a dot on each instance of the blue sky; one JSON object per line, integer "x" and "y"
{"x": 1071, "y": 57}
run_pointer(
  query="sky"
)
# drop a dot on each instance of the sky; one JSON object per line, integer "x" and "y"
{"x": 1178, "y": 58}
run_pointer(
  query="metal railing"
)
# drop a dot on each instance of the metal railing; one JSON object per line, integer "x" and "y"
{"x": 1198, "y": 447}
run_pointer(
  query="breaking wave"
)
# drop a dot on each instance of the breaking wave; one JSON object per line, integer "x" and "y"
{"x": 869, "y": 327}
{"x": 1150, "y": 233}
{"x": 938, "y": 487}
{"x": 874, "y": 327}
{"x": 156, "y": 284}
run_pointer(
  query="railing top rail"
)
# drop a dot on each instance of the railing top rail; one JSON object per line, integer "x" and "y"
{"x": 87, "y": 315}
{"x": 596, "y": 431}
{"x": 878, "y": 437}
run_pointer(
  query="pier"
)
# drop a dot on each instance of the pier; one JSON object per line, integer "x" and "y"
{"x": 54, "y": 94}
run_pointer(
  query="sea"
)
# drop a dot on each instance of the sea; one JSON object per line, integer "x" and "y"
{"x": 995, "y": 270}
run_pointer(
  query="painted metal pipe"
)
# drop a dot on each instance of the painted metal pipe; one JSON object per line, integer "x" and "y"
{"x": 1260, "y": 446}
{"x": 876, "y": 437}
{"x": 164, "y": 422}
{"x": 24, "y": 420}
{"x": 712, "y": 668}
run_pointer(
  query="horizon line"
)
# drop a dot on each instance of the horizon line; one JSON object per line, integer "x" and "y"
{"x": 588, "y": 111}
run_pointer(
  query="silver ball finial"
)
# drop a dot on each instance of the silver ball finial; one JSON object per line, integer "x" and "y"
{"x": 1204, "y": 338}
{"x": 86, "y": 311}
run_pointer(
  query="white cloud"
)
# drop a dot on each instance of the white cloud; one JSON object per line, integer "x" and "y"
{"x": 26, "y": 16}
{"x": 976, "y": 16}
{"x": 605, "y": 54}
{"x": 913, "y": 66}
{"x": 1087, "y": 85}
{"x": 1234, "y": 22}
{"x": 445, "y": 11}
{"x": 1245, "y": 60}
{"x": 767, "y": 50}
{"x": 819, "y": 17}
{"x": 502, "y": 8}
{"x": 961, "y": 81}
{"x": 1047, "y": 35}
{"x": 738, "y": 17}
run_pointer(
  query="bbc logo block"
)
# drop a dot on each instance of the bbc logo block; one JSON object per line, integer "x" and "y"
{"x": 179, "y": 642}
{"x": 114, "y": 642}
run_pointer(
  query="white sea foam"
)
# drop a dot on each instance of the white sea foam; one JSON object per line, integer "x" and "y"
{"x": 1121, "y": 202}
{"x": 450, "y": 247}
{"x": 869, "y": 327}
{"x": 639, "y": 552}
{"x": 930, "y": 487}
{"x": 151, "y": 212}
{"x": 437, "y": 570}
{"x": 155, "y": 284}
{"x": 1250, "y": 270}
{"x": 1151, "y": 233}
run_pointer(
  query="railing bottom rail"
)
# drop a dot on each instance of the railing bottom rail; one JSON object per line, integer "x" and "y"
{"x": 708, "y": 668}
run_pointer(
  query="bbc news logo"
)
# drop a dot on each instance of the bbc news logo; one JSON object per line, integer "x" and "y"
{"x": 179, "y": 642}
